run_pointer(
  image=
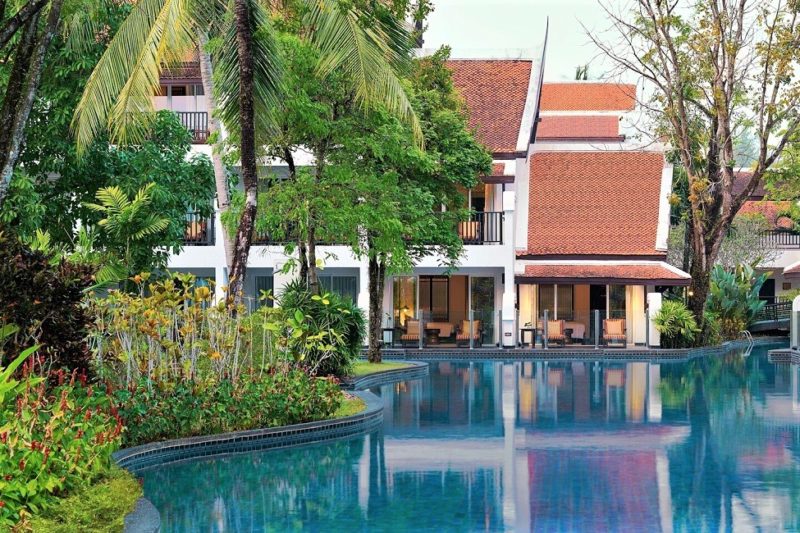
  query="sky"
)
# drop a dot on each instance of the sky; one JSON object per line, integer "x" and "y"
{"x": 501, "y": 28}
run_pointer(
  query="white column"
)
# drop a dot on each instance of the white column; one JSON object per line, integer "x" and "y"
{"x": 508, "y": 327}
{"x": 635, "y": 314}
{"x": 654, "y": 306}
{"x": 794, "y": 323}
{"x": 363, "y": 288}
{"x": 280, "y": 279}
{"x": 220, "y": 282}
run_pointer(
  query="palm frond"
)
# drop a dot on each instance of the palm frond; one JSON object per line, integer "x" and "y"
{"x": 150, "y": 226}
{"x": 267, "y": 73}
{"x": 119, "y": 91}
{"x": 367, "y": 54}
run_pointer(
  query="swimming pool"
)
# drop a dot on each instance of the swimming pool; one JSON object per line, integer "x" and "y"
{"x": 555, "y": 446}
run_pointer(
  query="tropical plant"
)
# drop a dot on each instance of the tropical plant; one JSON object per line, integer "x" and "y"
{"x": 324, "y": 332}
{"x": 54, "y": 441}
{"x": 676, "y": 324}
{"x": 127, "y": 222}
{"x": 734, "y": 298}
{"x": 44, "y": 298}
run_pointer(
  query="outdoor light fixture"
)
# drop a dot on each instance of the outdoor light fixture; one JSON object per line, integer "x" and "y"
{"x": 690, "y": 292}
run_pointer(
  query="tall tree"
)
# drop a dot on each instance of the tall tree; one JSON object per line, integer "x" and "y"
{"x": 159, "y": 32}
{"x": 713, "y": 72}
{"x": 35, "y": 23}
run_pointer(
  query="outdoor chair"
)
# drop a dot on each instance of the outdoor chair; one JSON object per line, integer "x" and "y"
{"x": 614, "y": 330}
{"x": 195, "y": 231}
{"x": 469, "y": 230}
{"x": 411, "y": 334}
{"x": 462, "y": 337}
{"x": 555, "y": 332}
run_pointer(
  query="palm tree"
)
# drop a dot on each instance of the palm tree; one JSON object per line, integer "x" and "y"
{"x": 247, "y": 78}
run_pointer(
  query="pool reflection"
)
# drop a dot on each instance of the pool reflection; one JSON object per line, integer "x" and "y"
{"x": 563, "y": 446}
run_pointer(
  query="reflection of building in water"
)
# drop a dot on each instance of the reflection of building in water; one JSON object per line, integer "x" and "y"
{"x": 582, "y": 391}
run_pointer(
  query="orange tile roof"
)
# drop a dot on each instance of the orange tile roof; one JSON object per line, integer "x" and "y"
{"x": 769, "y": 209}
{"x": 588, "y": 96}
{"x": 792, "y": 270}
{"x": 653, "y": 273}
{"x": 578, "y": 128}
{"x": 594, "y": 203}
{"x": 495, "y": 92}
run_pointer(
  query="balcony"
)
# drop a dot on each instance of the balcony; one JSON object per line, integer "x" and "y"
{"x": 199, "y": 230}
{"x": 197, "y": 124}
{"x": 781, "y": 239}
{"x": 482, "y": 228}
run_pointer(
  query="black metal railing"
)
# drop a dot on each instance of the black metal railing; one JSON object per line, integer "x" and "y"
{"x": 781, "y": 238}
{"x": 482, "y": 228}
{"x": 775, "y": 312}
{"x": 199, "y": 230}
{"x": 197, "y": 124}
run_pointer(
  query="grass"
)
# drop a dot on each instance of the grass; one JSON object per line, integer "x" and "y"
{"x": 101, "y": 507}
{"x": 352, "y": 405}
{"x": 364, "y": 368}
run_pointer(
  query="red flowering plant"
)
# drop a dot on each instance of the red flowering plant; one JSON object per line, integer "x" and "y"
{"x": 54, "y": 437}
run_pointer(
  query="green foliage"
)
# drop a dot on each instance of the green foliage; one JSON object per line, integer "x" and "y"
{"x": 324, "y": 333}
{"x": 98, "y": 508}
{"x": 45, "y": 300}
{"x": 676, "y": 324}
{"x": 54, "y": 441}
{"x": 733, "y": 298}
{"x": 180, "y": 408}
{"x": 127, "y": 223}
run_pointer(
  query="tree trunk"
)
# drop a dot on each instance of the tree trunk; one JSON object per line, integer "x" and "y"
{"x": 215, "y": 132}
{"x": 244, "y": 234}
{"x": 311, "y": 246}
{"x": 377, "y": 279}
{"x": 21, "y": 90}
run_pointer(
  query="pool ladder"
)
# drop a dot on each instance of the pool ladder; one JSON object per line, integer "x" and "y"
{"x": 750, "y": 342}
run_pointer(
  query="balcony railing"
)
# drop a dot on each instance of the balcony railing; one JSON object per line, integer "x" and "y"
{"x": 482, "y": 228}
{"x": 199, "y": 230}
{"x": 781, "y": 238}
{"x": 197, "y": 124}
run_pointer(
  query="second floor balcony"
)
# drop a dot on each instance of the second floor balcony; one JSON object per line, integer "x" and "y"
{"x": 197, "y": 124}
{"x": 482, "y": 228}
{"x": 782, "y": 239}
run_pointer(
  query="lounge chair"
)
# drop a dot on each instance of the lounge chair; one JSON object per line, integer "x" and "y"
{"x": 462, "y": 337}
{"x": 411, "y": 334}
{"x": 614, "y": 330}
{"x": 195, "y": 231}
{"x": 555, "y": 332}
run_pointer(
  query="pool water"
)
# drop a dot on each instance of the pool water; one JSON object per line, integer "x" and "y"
{"x": 705, "y": 445}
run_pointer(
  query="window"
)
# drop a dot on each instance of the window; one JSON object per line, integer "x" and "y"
{"x": 616, "y": 301}
{"x": 547, "y": 300}
{"x": 198, "y": 90}
{"x": 565, "y": 301}
{"x": 264, "y": 284}
{"x": 434, "y": 296}
{"x": 556, "y": 296}
{"x": 345, "y": 286}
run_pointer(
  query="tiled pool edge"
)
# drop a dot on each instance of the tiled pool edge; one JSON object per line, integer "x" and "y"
{"x": 653, "y": 355}
{"x": 139, "y": 458}
{"x": 416, "y": 370}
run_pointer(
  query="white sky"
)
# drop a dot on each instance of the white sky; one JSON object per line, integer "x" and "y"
{"x": 500, "y": 28}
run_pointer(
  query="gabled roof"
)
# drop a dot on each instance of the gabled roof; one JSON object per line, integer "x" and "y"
{"x": 599, "y": 203}
{"x": 495, "y": 92}
{"x": 588, "y": 96}
{"x": 769, "y": 210}
{"x": 578, "y": 128}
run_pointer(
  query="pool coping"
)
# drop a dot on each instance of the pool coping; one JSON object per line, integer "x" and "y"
{"x": 137, "y": 459}
{"x": 653, "y": 355}
{"x": 416, "y": 370}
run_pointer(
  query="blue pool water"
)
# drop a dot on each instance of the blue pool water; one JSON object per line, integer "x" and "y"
{"x": 707, "y": 445}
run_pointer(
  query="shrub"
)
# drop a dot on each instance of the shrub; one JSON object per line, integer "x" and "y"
{"x": 54, "y": 441}
{"x": 733, "y": 298}
{"x": 98, "y": 508}
{"x": 325, "y": 333}
{"x": 45, "y": 300}
{"x": 168, "y": 409}
{"x": 676, "y": 324}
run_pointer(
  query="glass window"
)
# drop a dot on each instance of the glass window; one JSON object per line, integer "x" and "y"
{"x": 405, "y": 299}
{"x": 178, "y": 90}
{"x": 264, "y": 284}
{"x": 547, "y": 300}
{"x": 198, "y": 90}
{"x": 616, "y": 301}
{"x": 566, "y": 307}
{"x": 483, "y": 306}
{"x": 345, "y": 286}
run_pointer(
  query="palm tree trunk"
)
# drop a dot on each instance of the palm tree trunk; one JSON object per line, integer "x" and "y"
{"x": 220, "y": 176}
{"x": 21, "y": 89}
{"x": 244, "y": 234}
